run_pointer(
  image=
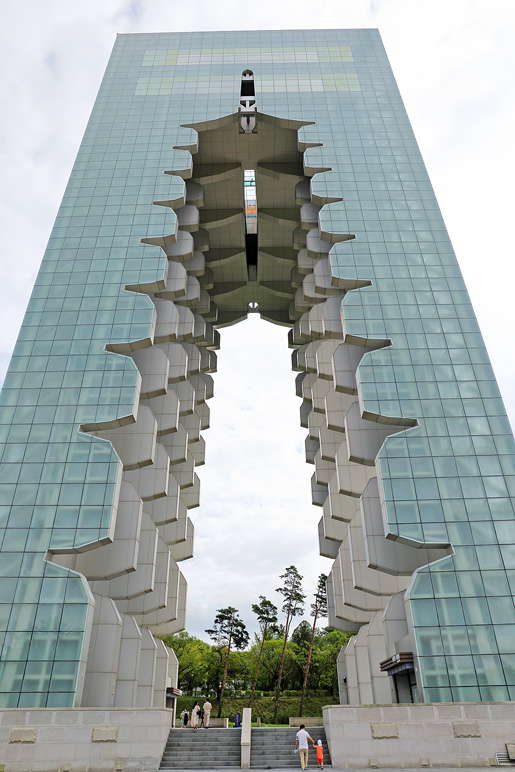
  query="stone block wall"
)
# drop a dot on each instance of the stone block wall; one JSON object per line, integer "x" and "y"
{"x": 306, "y": 720}
{"x": 83, "y": 740}
{"x": 421, "y": 735}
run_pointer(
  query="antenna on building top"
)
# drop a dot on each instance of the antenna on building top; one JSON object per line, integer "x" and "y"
{"x": 247, "y": 108}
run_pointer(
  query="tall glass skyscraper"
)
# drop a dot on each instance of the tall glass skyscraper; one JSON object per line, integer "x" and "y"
{"x": 222, "y": 174}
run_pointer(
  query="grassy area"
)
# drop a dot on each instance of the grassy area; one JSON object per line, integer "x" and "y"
{"x": 263, "y": 707}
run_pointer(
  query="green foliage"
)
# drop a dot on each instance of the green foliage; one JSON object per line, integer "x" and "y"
{"x": 263, "y": 706}
{"x": 227, "y": 630}
{"x": 318, "y": 610}
{"x": 195, "y": 661}
{"x": 302, "y": 634}
{"x": 322, "y": 672}
{"x": 201, "y": 665}
{"x": 293, "y": 596}
{"x": 293, "y": 605}
{"x": 273, "y": 667}
{"x": 266, "y": 613}
{"x": 319, "y": 607}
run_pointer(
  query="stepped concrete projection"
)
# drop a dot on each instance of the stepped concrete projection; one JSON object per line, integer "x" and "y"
{"x": 202, "y": 749}
{"x": 273, "y": 747}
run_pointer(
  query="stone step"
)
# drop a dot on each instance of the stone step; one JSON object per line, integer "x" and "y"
{"x": 203, "y": 738}
{"x": 205, "y": 741}
{"x": 199, "y": 761}
{"x": 283, "y": 749}
{"x": 200, "y": 754}
{"x": 201, "y": 744}
{"x": 193, "y": 762}
{"x": 274, "y": 748}
{"x": 271, "y": 747}
{"x": 202, "y": 749}
{"x": 209, "y": 764}
{"x": 262, "y": 732}
{"x": 288, "y": 743}
{"x": 185, "y": 763}
{"x": 285, "y": 755}
{"x": 231, "y": 732}
{"x": 205, "y": 751}
{"x": 292, "y": 760}
{"x": 273, "y": 761}
{"x": 280, "y": 746}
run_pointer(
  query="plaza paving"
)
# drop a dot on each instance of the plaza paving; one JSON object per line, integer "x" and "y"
{"x": 345, "y": 769}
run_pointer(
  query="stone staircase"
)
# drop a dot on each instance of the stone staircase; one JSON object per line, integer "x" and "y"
{"x": 273, "y": 747}
{"x": 202, "y": 749}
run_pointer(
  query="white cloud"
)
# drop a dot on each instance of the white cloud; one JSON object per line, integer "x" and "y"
{"x": 453, "y": 63}
{"x": 255, "y": 517}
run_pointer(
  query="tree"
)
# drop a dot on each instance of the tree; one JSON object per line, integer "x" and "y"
{"x": 293, "y": 604}
{"x": 302, "y": 634}
{"x": 330, "y": 644}
{"x": 266, "y": 613}
{"x": 228, "y": 629}
{"x": 269, "y": 669}
{"x": 194, "y": 660}
{"x": 318, "y": 610}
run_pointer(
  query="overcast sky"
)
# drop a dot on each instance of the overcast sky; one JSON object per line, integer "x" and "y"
{"x": 453, "y": 60}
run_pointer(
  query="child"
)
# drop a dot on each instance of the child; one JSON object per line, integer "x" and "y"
{"x": 320, "y": 754}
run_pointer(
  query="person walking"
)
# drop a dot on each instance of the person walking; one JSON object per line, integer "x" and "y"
{"x": 185, "y": 717}
{"x": 195, "y": 711}
{"x": 301, "y": 742}
{"x": 206, "y": 708}
{"x": 320, "y": 754}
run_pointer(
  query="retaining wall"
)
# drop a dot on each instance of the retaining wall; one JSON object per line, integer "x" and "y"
{"x": 437, "y": 734}
{"x": 306, "y": 720}
{"x": 83, "y": 740}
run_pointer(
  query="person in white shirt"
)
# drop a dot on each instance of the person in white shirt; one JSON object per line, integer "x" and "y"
{"x": 206, "y": 707}
{"x": 302, "y": 744}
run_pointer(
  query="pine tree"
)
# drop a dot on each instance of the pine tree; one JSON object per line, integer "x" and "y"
{"x": 266, "y": 613}
{"x": 318, "y": 610}
{"x": 228, "y": 630}
{"x": 293, "y": 604}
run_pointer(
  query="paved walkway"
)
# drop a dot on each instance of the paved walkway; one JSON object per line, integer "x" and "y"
{"x": 349, "y": 769}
